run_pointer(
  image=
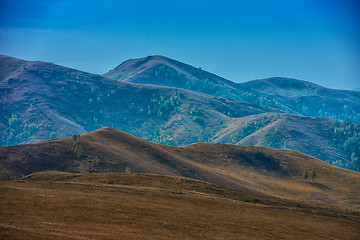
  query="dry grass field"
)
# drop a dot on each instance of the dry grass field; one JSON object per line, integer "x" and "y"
{"x": 273, "y": 172}
{"x": 54, "y": 205}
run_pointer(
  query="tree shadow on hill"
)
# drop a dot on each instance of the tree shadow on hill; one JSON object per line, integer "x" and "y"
{"x": 320, "y": 186}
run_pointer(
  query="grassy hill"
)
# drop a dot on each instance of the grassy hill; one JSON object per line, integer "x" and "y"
{"x": 273, "y": 172}
{"x": 142, "y": 206}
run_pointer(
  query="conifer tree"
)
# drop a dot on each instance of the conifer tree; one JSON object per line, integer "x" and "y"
{"x": 306, "y": 174}
{"x": 313, "y": 174}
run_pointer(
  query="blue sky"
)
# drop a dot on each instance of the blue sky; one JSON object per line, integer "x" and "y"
{"x": 313, "y": 40}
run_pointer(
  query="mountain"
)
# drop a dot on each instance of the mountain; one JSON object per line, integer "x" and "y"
{"x": 310, "y": 99}
{"x": 163, "y": 71}
{"x": 273, "y": 172}
{"x": 41, "y": 100}
{"x": 290, "y": 95}
{"x": 148, "y": 206}
{"x": 330, "y": 141}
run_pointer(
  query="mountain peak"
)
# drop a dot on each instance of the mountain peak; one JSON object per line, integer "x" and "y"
{"x": 164, "y": 71}
{"x": 132, "y": 67}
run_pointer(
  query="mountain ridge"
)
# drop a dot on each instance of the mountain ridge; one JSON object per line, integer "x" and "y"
{"x": 163, "y": 71}
{"x": 310, "y": 99}
{"x": 324, "y": 102}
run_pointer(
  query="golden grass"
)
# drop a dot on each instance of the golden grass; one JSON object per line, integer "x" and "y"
{"x": 279, "y": 174}
{"x": 136, "y": 206}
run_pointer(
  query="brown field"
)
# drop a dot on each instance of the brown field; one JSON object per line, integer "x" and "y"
{"x": 53, "y": 205}
{"x": 273, "y": 172}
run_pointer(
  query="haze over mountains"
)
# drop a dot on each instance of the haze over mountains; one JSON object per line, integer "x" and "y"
{"x": 150, "y": 98}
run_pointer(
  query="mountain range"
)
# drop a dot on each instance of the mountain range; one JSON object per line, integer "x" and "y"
{"x": 169, "y": 102}
{"x": 290, "y": 95}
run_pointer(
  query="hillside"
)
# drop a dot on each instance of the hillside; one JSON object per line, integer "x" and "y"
{"x": 41, "y": 100}
{"x": 333, "y": 142}
{"x": 273, "y": 172}
{"x": 163, "y": 71}
{"x": 310, "y": 99}
{"x": 141, "y": 206}
{"x": 290, "y": 95}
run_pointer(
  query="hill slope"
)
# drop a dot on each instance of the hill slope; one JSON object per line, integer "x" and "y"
{"x": 333, "y": 142}
{"x": 163, "y": 71}
{"x": 290, "y": 95}
{"x": 139, "y": 206}
{"x": 310, "y": 99}
{"x": 43, "y": 100}
{"x": 268, "y": 171}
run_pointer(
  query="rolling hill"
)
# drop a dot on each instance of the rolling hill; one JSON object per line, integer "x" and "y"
{"x": 273, "y": 172}
{"x": 148, "y": 206}
{"x": 41, "y": 100}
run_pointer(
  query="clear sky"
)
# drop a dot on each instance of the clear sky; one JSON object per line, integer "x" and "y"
{"x": 313, "y": 40}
